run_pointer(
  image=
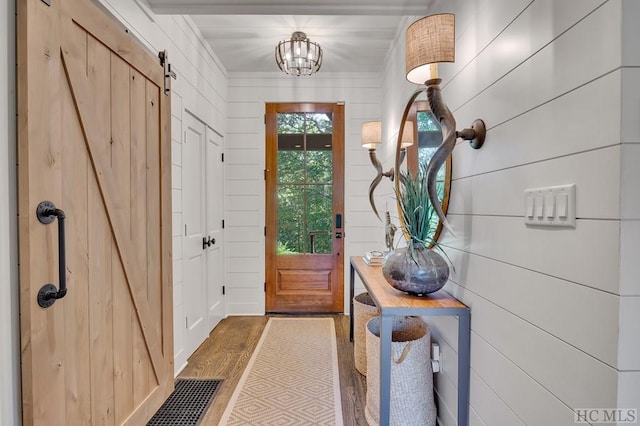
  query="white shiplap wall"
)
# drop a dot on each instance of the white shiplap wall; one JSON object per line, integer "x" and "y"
{"x": 200, "y": 89}
{"x": 245, "y": 160}
{"x": 629, "y": 316}
{"x": 554, "y": 313}
{"x": 10, "y": 329}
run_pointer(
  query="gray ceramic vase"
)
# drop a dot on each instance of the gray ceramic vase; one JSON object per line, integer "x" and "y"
{"x": 420, "y": 273}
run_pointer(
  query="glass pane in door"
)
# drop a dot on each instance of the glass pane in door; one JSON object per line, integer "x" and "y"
{"x": 304, "y": 183}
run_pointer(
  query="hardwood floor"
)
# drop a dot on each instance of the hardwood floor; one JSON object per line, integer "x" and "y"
{"x": 225, "y": 354}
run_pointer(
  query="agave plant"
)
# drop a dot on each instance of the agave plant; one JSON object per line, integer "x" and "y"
{"x": 418, "y": 216}
{"x": 417, "y": 212}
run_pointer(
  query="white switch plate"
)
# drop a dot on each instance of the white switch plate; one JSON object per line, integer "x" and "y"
{"x": 551, "y": 200}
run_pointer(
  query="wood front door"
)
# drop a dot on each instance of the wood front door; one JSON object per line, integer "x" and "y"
{"x": 93, "y": 139}
{"x": 304, "y": 206}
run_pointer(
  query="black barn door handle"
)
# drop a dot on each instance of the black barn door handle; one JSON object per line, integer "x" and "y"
{"x": 48, "y": 294}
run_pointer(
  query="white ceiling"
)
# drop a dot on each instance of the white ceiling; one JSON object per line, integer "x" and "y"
{"x": 355, "y": 35}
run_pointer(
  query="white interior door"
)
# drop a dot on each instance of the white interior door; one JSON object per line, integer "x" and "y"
{"x": 215, "y": 199}
{"x": 194, "y": 253}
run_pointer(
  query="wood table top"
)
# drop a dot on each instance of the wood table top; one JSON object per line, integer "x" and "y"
{"x": 387, "y": 297}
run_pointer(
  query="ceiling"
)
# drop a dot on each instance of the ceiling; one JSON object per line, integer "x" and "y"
{"x": 355, "y": 35}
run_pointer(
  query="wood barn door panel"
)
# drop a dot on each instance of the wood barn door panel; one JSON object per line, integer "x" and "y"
{"x": 94, "y": 139}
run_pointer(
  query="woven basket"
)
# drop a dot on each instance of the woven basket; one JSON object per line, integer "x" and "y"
{"x": 412, "y": 401}
{"x": 363, "y": 310}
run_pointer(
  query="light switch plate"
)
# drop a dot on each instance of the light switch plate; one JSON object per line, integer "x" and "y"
{"x": 557, "y": 202}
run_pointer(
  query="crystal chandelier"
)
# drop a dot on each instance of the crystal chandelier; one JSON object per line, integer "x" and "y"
{"x": 299, "y": 55}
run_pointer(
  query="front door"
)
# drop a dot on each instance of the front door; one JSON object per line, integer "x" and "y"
{"x": 304, "y": 206}
{"x": 94, "y": 140}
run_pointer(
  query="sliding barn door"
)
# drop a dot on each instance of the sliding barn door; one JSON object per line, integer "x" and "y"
{"x": 94, "y": 141}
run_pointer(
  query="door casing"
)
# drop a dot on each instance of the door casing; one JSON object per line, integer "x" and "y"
{"x": 311, "y": 283}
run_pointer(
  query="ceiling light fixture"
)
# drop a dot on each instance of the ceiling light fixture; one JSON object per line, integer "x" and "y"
{"x": 299, "y": 55}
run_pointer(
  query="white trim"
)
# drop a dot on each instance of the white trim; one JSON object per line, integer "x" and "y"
{"x": 10, "y": 407}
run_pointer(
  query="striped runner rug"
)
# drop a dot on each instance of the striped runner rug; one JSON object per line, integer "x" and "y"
{"x": 292, "y": 377}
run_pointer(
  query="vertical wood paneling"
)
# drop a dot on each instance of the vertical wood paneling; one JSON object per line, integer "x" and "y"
{"x": 101, "y": 256}
{"x": 201, "y": 88}
{"x": 154, "y": 205}
{"x": 34, "y": 165}
{"x": 84, "y": 103}
{"x": 140, "y": 362}
{"x": 76, "y": 205}
{"x": 163, "y": 147}
{"x": 121, "y": 167}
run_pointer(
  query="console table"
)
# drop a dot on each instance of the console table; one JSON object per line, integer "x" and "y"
{"x": 390, "y": 303}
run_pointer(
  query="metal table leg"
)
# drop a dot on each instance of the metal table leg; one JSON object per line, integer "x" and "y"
{"x": 351, "y": 295}
{"x": 464, "y": 345}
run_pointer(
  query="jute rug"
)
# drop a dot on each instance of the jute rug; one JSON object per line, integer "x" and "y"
{"x": 292, "y": 377}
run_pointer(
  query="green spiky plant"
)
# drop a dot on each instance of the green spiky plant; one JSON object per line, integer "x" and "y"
{"x": 417, "y": 213}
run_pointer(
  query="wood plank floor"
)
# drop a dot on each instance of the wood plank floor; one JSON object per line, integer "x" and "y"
{"x": 225, "y": 354}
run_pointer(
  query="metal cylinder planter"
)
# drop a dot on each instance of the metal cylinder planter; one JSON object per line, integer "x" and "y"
{"x": 412, "y": 401}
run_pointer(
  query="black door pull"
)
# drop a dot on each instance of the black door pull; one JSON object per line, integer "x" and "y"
{"x": 48, "y": 294}
{"x": 207, "y": 242}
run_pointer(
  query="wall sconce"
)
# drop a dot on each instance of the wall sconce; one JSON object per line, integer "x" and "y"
{"x": 372, "y": 136}
{"x": 431, "y": 40}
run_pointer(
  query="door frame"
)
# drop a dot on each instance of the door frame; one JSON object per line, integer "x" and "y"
{"x": 338, "y": 117}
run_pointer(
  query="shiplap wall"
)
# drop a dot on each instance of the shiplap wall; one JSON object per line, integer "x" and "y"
{"x": 9, "y": 312}
{"x": 200, "y": 89}
{"x": 554, "y": 312}
{"x": 245, "y": 160}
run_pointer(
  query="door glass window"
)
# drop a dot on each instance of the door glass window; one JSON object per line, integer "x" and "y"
{"x": 304, "y": 182}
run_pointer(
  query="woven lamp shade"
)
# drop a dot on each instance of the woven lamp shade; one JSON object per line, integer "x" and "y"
{"x": 371, "y": 134}
{"x": 429, "y": 40}
{"x": 407, "y": 134}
